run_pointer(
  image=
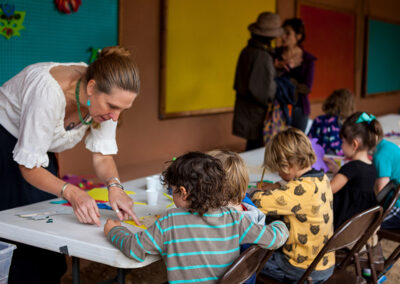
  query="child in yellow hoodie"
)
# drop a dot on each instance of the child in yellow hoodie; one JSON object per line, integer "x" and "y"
{"x": 304, "y": 203}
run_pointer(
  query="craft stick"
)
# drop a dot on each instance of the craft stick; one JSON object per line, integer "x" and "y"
{"x": 167, "y": 196}
{"x": 140, "y": 203}
{"x": 262, "y": 177}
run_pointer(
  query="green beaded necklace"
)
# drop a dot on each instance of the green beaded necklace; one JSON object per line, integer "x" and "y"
{"x": 79, "y": 104}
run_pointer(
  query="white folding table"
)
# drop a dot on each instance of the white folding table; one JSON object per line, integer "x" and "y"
{"x": 66, "y": 235}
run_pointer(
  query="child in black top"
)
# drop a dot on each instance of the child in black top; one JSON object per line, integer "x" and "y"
{"x": 353, "y": 184}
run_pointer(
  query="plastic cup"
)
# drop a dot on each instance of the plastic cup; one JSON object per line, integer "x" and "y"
{"x": 152, "y": 197}
{"x": 157, "y": 181}
{"x": 151, "y": 183}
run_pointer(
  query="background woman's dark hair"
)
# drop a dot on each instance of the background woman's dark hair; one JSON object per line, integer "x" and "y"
{"x": 298, "y": 26}
{"x": 367, "y": 133}
{"x": 340, "y": 103}
{"x": 202, "y": 176}
{"x": 114, "y": 68}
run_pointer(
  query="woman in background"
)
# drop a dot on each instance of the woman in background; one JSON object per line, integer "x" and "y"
{"x": 293, "y": 61}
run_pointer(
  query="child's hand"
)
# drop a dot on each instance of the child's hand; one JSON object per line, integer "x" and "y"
{"x": 332, "y": 165}
{"x": 267, "y": 186}
{"x": 110, "y": 224}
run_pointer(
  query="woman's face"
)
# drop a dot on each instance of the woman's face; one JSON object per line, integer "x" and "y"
{"x": 109, "y": 106}
{"x": 289, "y": 38}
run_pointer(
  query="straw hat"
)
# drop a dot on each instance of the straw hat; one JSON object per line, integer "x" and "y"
{"x": 267, "y": 24}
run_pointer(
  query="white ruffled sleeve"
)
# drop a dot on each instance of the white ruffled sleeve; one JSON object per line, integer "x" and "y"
{"x": 40, "y": 112}
{"x": 102, "y": 139}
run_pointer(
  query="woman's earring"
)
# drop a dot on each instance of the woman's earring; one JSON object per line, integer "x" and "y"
{"x": 88, "y": 102}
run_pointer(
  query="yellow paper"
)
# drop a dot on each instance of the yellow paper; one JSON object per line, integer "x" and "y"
{"x": 130, "y": 222}
{"x": 101, "y": 194}
{"x": 146, "y": 221}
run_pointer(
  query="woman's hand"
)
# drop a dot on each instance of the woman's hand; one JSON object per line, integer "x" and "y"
{"x": 122, "y": 204}
{"x": 85, "y": 207}
{"x": 281, "y": 64}
{"x": 109, "y": 225}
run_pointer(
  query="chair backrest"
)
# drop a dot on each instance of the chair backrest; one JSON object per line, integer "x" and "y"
{"x": 250, "y": 261}
{"x": 355, "y": 231}
{"x": 387, "y": 197}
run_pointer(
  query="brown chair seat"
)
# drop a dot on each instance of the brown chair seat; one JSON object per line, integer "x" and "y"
{"x": 250, "y": 261}
{"x": 354, "y": 233}
{"x": 374, "y": 259}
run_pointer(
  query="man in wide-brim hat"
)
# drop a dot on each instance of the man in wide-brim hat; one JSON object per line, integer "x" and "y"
{"x": 254, "y": 80}
{"x": 268, "y": 24}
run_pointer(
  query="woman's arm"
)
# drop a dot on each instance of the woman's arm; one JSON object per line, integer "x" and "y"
{"x": 106, "y": 169}
{"x": 338, "y": 182}
{"x": 85, "y": 208}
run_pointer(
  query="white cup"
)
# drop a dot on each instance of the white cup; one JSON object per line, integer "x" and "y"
{"x": 151, "y": 183}
{"x": 154, "y": 182}
{"x": 152, "y": 196}
{"x": 158, "y": 183}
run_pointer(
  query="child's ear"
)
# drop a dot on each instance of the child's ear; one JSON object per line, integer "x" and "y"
{"x": 184, "y": 193}
{"x": 355, "y": 143}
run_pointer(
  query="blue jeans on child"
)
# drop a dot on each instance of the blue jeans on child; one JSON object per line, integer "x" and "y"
{"x": 279, "y": 268}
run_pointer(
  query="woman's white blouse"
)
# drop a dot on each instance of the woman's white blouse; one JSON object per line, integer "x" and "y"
{"x": 32, "y": 109}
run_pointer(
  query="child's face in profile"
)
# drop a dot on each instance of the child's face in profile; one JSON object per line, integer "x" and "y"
{"x": 348, "y": 148}
{"x": 289, "y": 174}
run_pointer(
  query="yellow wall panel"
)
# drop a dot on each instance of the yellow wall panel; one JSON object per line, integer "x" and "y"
{"x": 202, "y": 42}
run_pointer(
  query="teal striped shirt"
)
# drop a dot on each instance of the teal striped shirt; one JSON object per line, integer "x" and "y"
{"x": 197, "y": 249}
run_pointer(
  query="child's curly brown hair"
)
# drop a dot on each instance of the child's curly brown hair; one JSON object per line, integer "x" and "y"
{"x": 203, "y": 178}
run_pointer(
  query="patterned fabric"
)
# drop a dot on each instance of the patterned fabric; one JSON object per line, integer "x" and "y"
{"x": 326, "y": 129}
{"x": 306, "y": 206}
{"x": 393, "y": 213}
{"x": 274, "y": 121}
{"x": 198, "y": 249}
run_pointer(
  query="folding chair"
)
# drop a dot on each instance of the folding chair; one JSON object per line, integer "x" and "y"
{"x": 390, "y": 234}
{"x": 354, "y": 232}
{"x": 372, "y": 257}
{"x": 250, "y": 261}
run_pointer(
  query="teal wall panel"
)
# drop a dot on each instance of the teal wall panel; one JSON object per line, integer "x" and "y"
{"x": 383, "y": 61}
{"x": 50, "y": 35}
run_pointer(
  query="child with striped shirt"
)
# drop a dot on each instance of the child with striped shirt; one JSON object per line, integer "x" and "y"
{"x": 201, "y": 238}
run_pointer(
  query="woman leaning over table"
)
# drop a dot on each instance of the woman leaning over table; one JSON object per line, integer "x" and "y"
{"x": 48, "y": 108}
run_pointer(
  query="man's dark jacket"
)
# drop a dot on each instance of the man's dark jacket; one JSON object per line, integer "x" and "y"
{"x": 255, "y": 88}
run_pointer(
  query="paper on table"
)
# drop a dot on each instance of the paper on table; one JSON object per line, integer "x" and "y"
{"x": 43, "y": 214}
{"x": 146, "y": 221}
{"x": 101, "y": 194}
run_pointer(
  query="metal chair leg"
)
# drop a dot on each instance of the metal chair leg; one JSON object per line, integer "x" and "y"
{"x": 75, "y": 270}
